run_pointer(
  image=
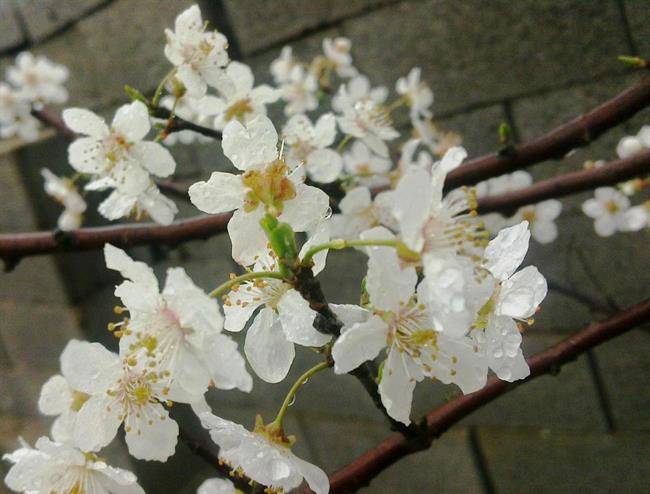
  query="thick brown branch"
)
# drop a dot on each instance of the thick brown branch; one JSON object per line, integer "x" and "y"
{"x": 15, "y": 246}
{"x": 362, "y": 470}
{"x": 569, "y": 183}
{"x": 18, "y": 245}
{"x": 558, "y": 142}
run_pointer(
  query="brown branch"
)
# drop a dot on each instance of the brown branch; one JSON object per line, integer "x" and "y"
{"x": 13, "y": 247}
{"x": 558, "y": 142}
{"x": 367, "y": 466}
{"x": 569, "y": 183}
{"x": 18, "y": 245}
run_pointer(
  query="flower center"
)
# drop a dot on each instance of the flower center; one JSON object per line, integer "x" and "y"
{"x": 529, "y": 215}
{"x": 612, "y": 207}
{"x": 239, "y": 109}
{"x": 269, "y": 186}
{"x": 116, "y": 147}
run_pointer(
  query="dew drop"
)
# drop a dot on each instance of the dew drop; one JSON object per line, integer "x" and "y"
{"x": 328, "y": 214}
{"x": 293, "y": 400}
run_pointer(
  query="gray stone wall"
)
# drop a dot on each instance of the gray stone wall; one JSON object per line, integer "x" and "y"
{"x": 531, "y": 63}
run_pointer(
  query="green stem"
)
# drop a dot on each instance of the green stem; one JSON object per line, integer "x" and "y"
{"x": 159, "y": 90}
{"x": 277, "y": 422}
{"x": 340, "y": 243}
{"x": 343, "y": 143}
{"x": 224, "y": 287}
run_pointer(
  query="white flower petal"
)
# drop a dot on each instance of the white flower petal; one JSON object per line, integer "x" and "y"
{"x": 324, "y": 165}
{"x": 396, "y": 387}
{"x": 155, "y": 158}
{"x": 97, "y": 422}
{"x": 252, "y": 146}
{"x": 84, "y": 155}
{"x": 222, "y": 192}
{"x": 522, "y": 293}
{"x": 248, "y": 239}
{"x": 89, "y": 367}
{"x": 297, "y": 320}
{"x": 363, "y": 341}
{"x": 267, "y": 349}
{"x": 412, "y": 201}
{"x": 506, "y": 252}
{"x": 85, "y": 122}
{"x": 155, "y": 440}
{"x": 226, "y": 364}
{"x": 307, "y": 209}
{"x": 56, "y": 396}
{"x": 132, "y": 121}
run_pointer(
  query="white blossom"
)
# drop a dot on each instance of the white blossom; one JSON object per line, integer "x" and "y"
{"x": 15, "y": 117}
{"x": 119, "y": 391}
{"x": 199, "y": 55}
{"x": 299, "y": 91}
{"x": 418, "y": 95}
{"x": 150, "y": 202}
{"x": 282, "y": 66}
{"x": 117, "y": 157}
{"x": 308, "y": 146}
{"x": 611, "y": 212}
{"x": 240, "y": 99}
{"x": 337, "y": 52}
{"x": 285, "y": 317}
{"x": 261, "y": 457}
{"x": 38, "y": 80}
{"x": 631, "y": 145}
{"x": 541, "y": 218}
{"x": 367, "y": 168}
{"x": 179, "y": 329}
{"x": 266, "y": 186}
{"x": 359, "y": 212}
{"x": 356, "y": 90}
{"x": 64, "y": 192}
{"x": 400, "y": 321}
{"x": 516, "y": 297}
{"x": 52, "y": 467}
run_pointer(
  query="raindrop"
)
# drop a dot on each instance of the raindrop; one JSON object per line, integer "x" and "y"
{"x": 293, "y": 400}
{"x": 328, "y": 214}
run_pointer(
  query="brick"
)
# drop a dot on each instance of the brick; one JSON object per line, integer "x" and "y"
{"x": 15, "y": 210}
{"x": 471, "y": 54}
{"x": 35, "y": 335}
{"x": 257, "y": 24}
{"x": 623, "y": 362}
{"x": 44, "y": 17}
{"x": 479, "y": 129}
{"x": 544, "y": 461}
{"x": 10, "y": 34}
{"x": 446, "y": 467}
{"x": 116, "y": 46}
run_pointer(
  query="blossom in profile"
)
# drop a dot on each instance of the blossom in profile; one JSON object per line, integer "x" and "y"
{"x": 631, "y": 145}
{"x": 417, "y": 94}
{"x": 611, "y": 212}
{"x": 337, "y": 53}
{"x": 53, "y": 467}
{"x": 217, "y": 486}
{"x": 65, "y": 193}
{"x": 263, "y": 455}
{"x": 282, "y": 66}
{"x": 38, "y": 79}
{"x": 199, "y": 55}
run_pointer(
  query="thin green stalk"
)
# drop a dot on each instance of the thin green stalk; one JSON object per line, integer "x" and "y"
{"x": 159, "y": 90}
{"x": 277, "y": 422}
{"x": 343, "y": 143}
{"x": 224, "y": 287}
{"x": 340, "y": 243}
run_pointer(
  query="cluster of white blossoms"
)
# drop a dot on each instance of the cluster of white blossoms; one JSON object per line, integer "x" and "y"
{"x": 611, "y": 208}
{"x": 444, "y": 297}
{"x": 33, "y": 81}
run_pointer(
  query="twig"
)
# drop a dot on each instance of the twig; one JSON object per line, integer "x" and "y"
{"x": 367, "y": 466}
{"x": 558, "y": 142}
{"x": 569, "y": 183}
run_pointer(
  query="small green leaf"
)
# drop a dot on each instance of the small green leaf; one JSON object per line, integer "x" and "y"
{"x": 135, "y": 95}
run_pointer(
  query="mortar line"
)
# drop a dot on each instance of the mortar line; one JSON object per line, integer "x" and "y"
{"x": 601, "y": 392}
{"x": 480, "y": 461}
